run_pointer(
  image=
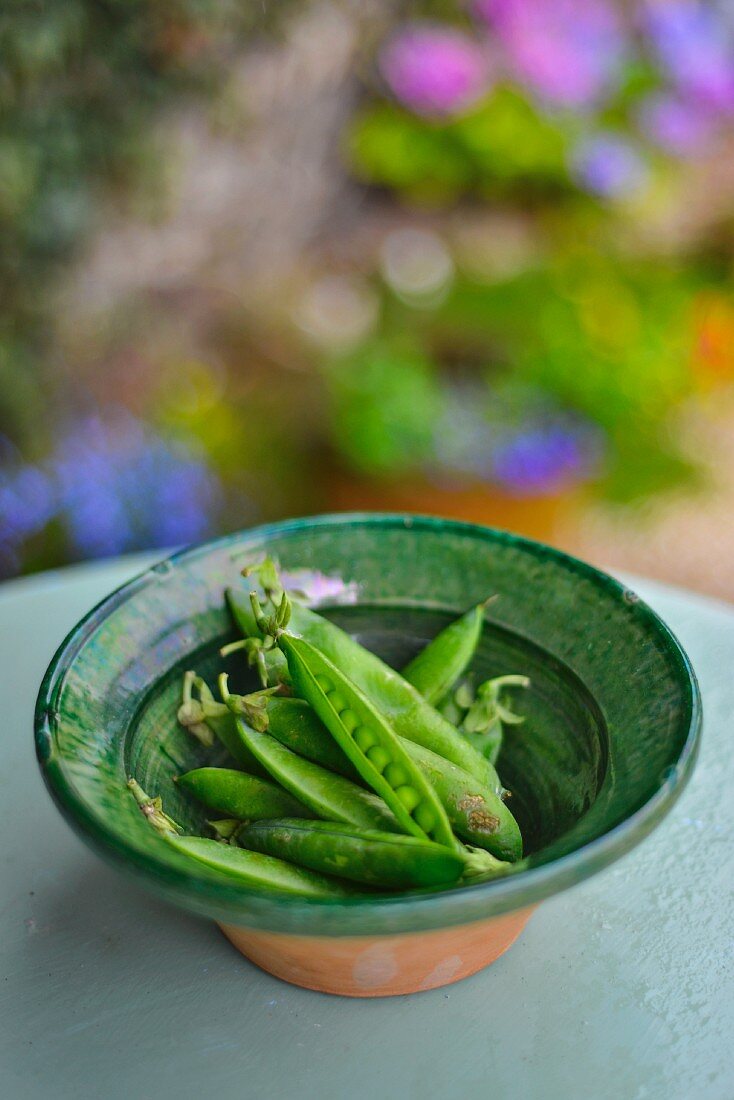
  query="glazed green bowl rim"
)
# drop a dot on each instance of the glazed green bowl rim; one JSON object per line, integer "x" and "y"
{"x": 523, "y": 889}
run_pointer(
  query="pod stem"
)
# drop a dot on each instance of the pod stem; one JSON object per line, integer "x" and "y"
{"x": 480, "y": 863}
{"x": 152, "y": 809}
{"x": 252, "y": 707}
{"x": 269, "y": 577}
{"x": 191, "y": 712}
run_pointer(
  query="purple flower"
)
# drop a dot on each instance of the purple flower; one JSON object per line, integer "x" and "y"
{"x": 544, "y": 459}
{"x": 568, "y": 52}
{"x": 607, "y": 164}
{"x": 679, "y": 127}
{"x": 435, "y": 70}
{"x": 112, "y": 484}
{"x": 694, "y": 45}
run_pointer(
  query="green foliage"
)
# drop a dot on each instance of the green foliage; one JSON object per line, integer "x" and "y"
{"x": 80, "y": 84}
{"x": 501, "y": 144}
{"x": 384, "y": 401}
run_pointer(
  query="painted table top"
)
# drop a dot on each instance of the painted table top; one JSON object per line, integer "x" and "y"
{"x": 620, "y": 988}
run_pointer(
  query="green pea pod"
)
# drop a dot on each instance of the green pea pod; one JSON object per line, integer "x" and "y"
{"x": 329, "y": 796}
{"x": 362, "y": 855}
{"x": 375, "y": 750}
{"x": 410, "y": 715}
{"x": 249, "y": 868}
{"x": 239, "y": 795}
{"x": 234, "y": 864}
{"x": 440, "y": 664}
{"x": 477, "y": 815}
{"x": 296, "y": 725}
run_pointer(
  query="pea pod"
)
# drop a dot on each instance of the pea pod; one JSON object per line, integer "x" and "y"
{"x": 241, "y": 867}
{"x": 327, "y": 795}
{"x": 440, "y": 664}
{"x": 240, "y": 795}
{"x": 477, "y": 815}
{"x": 368, "y": 741}
{"x": 410, "y": 715}
{"x": 296, "y": 725}
{"x": 389, "y": 860}
{"x": 255, "y": 869}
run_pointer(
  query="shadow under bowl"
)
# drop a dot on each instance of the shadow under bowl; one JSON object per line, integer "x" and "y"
{"x": 612, "y": 725}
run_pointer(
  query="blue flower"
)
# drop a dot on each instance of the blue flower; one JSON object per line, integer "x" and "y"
{"x": 608, "y": 165}
{"x": 113, "y": 485}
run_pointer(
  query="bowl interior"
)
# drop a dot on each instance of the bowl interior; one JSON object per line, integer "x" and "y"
{"x": 611, "y": 718}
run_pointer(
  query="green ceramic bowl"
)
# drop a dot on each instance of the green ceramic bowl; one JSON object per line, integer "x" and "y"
{"x": 613, "y": 722}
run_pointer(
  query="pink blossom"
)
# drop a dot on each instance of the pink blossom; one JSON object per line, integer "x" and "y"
{"x": 435, "y": 70}
{"x": 569, "y": 52}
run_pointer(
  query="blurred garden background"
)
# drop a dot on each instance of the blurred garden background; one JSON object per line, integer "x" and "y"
{"x": 473, "y": 259}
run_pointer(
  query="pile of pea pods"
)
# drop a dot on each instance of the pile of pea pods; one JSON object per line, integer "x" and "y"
{"x": 350, "y": 778}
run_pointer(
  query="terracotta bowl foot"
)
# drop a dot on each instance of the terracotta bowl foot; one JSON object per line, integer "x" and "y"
{"x": 380, "y": 966}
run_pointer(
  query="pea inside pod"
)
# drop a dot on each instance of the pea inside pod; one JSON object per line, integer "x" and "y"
{"x": 367, "y": 740}
{"x": 476, "y": 814}
{"x": 388, "y": 860}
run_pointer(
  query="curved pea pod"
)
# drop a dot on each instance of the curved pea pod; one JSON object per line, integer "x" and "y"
{"x": 477, "y": 814}
{"x": 409, "y": 714}
{"x": 249, "y": 868}
{"x": 375, "y": 750}
{"x": 327, "y": 795}
{"x": 440, "y": 664}
{"x": 389, "y": 860}
{"x": 239, "y": 795}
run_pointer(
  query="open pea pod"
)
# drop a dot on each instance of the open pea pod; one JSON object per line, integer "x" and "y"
{"x": 410, "y": 715}
{"x": 367, "y": 739}
{"x": 477, "y": 814}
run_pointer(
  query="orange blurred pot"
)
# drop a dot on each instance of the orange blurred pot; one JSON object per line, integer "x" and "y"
{"x": 381, "y": 966}
{"x": 538, "y": 517}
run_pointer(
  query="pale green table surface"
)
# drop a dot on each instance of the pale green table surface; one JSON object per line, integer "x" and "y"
{"x": 620, "y": 988}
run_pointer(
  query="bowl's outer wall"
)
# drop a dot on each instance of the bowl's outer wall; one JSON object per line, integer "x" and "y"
{"x": 624, "y": 655}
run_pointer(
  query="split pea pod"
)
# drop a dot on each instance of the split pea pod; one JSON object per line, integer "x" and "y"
{"x": 410, "y": 715}
{"x": 440, "y": 664}
{"x": 329, "y": 796}
{"x": 390, "y": 860}
{"x": 373, "y": 747}
{"x": 239, "y": 795}
{"x": 477, "y": 815}
{"x": 240, "y": 867}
